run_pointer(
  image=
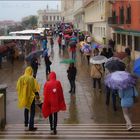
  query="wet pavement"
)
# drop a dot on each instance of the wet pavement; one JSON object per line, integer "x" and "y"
{"x": 87, "y": 106}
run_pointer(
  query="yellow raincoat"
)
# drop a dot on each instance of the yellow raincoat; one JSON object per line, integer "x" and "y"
{"x": 26, "y": 88}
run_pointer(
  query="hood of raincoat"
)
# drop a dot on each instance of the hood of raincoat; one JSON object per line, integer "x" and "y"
{"x": 52, "y": 76}
{"x": 53, "y": 96}
{"x": 28, "y": 71}
{"x": 26, "y": 89}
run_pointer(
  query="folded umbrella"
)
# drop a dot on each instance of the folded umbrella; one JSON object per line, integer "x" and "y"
{"x": 99, "y": 59}
{"x": 136, "y": 67}
{"x": 120, "y": 80}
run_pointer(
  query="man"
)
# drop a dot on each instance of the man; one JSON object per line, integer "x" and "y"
{"x": 26, "y": 89}
{"x": 53, "y": 101}
{"x": 72, "y": 71}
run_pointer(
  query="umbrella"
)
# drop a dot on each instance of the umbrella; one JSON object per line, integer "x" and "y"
{"x": 72, "y": 43}
{"x": 86, "y": 48}
{"x": 99, "y": 59}
{"x": 136, "y": 68}
{"x": 68, "y": 61}
{"x": 45, "y": 53}
{"x": 120, "y": 55}
{"x": 120, "y": 80}
{"x": 115, "y": 64}
{"x": 34, "y": 53}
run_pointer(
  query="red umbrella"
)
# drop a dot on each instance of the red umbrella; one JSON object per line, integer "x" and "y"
{"x": 120, "y": 55}
{"x": 67, "y": 36}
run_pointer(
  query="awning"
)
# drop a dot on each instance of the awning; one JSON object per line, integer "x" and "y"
{"x": 15, "y": 37}
{"x": 128, "y": 32}
{"x": 27, "y": 32}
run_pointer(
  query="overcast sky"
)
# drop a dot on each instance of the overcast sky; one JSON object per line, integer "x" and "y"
{"x": 15, "y": 10}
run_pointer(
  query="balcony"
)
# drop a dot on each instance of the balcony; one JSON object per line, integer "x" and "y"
{"x": 113, "y": 20}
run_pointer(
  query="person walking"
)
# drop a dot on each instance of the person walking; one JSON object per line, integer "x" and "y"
{"x": 72, "y": 71}
{"x": 53, "y": 101}
{"x": 51, "y": 43}
{"x": 26, "y": 90}
{"x": 34, "y": 64}
{"x": 96, "y": 74}
{"x": 47, "y": 63}
{"x": 127, "y": 101}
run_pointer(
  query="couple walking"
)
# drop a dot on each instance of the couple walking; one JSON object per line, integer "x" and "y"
{"x": 53, "y": 98}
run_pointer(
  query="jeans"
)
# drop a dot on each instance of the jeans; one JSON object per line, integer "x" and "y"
{"x": 53, "y": 121}
{"x": 72, "y": 85}
{"x": 32, "y": 115}
{"x": 114, "y": 93}
{"x": 97, "y": 80}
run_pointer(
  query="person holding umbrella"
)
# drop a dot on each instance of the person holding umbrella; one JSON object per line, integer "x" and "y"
{"x": 96, "y": 74}
{"x": 124, "y": 82}
{"x": 72, "y": 71}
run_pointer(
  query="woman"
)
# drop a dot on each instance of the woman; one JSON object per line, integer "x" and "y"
{"x": 53, "y": 101}
{"x": 127, "y": 101}
{"x": 96, "y": 74}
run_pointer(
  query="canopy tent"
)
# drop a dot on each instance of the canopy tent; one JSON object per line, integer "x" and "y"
{"x": 27, "y": 32}
{"x": 15, "y": 37}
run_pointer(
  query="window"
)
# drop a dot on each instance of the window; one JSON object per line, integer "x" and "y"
{"x": 130, "y": 41}
{"x": 122, "y": 15}
{"x": 137, "y": 43}
{"x": 123, "y": 40}
{"x": 90, "y": 28}
{"x": 128, "y": 15}
{"x": 118, "y": 38}
{"x": 53, "y": 17}
{"x": 50, "y": 17}
{"x": 57, "y": 17}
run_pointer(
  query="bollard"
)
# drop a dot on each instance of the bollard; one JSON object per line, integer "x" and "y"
{"x": 2, "y": 118}
{"x": 3, "y": 91}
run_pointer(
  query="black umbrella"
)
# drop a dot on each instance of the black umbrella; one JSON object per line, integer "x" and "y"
{"x": 36, "y": 53}
{"x": 115, "y": 65}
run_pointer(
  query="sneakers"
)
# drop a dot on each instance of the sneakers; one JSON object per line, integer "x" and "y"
{"x": 129, "y": 127}
{"x": 32, "y": 128}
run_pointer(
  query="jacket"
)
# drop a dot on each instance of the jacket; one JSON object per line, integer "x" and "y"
{"x": 96, "y": 71}
{"x": 72, "y": 73}
{"x": 53, "y": 96}
{"x": 26, "y": 88}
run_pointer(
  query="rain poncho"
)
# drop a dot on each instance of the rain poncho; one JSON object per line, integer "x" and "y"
{"x": 26, "y": 88}
{"x": 53, "y": 96}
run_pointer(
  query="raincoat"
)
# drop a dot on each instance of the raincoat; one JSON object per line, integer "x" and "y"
{"x": 26, "y": 88}
{"x": 53, "y": 96}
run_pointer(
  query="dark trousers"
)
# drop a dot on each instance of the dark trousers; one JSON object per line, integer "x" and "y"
{"x": 32, "y": 115}
{"x": 53, "y": 121}
{"x": 72, "y": 85}
{"x": 88, "y": 57}
{"x": 114, "y": 93}
{"x": 97, "y": 80}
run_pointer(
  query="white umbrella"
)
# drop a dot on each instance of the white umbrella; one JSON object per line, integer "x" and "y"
{"x": 99, "y": 59}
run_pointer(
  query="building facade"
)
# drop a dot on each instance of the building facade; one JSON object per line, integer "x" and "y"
{"x": 96, "y": 17}
{"x": 49, "y": 17}
{"x": 67, "y": 7}
{"x": 79, "y": 15}
{"x": 125, "y": 22}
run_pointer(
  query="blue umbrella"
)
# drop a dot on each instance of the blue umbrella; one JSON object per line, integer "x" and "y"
{"x": 94, "y": 46}
{"x": 136, "y": 67}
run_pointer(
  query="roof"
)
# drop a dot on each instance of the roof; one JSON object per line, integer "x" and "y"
{"x": 27, "y": 32}
{"x": 15, "y": 37}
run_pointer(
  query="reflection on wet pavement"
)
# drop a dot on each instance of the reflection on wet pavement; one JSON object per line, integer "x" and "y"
{"x": 86, "y": 106}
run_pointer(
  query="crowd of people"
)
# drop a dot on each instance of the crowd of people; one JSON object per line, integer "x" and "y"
{"x": 73, "y": 41}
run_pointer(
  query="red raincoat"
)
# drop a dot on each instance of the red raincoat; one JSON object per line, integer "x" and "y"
{"x": 53, "y": 96}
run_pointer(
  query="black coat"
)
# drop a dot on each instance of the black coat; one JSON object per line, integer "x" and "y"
{"x": 72, "y": 73}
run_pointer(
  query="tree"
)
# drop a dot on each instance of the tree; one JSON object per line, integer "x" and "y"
{"x": 29, "y": 22}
